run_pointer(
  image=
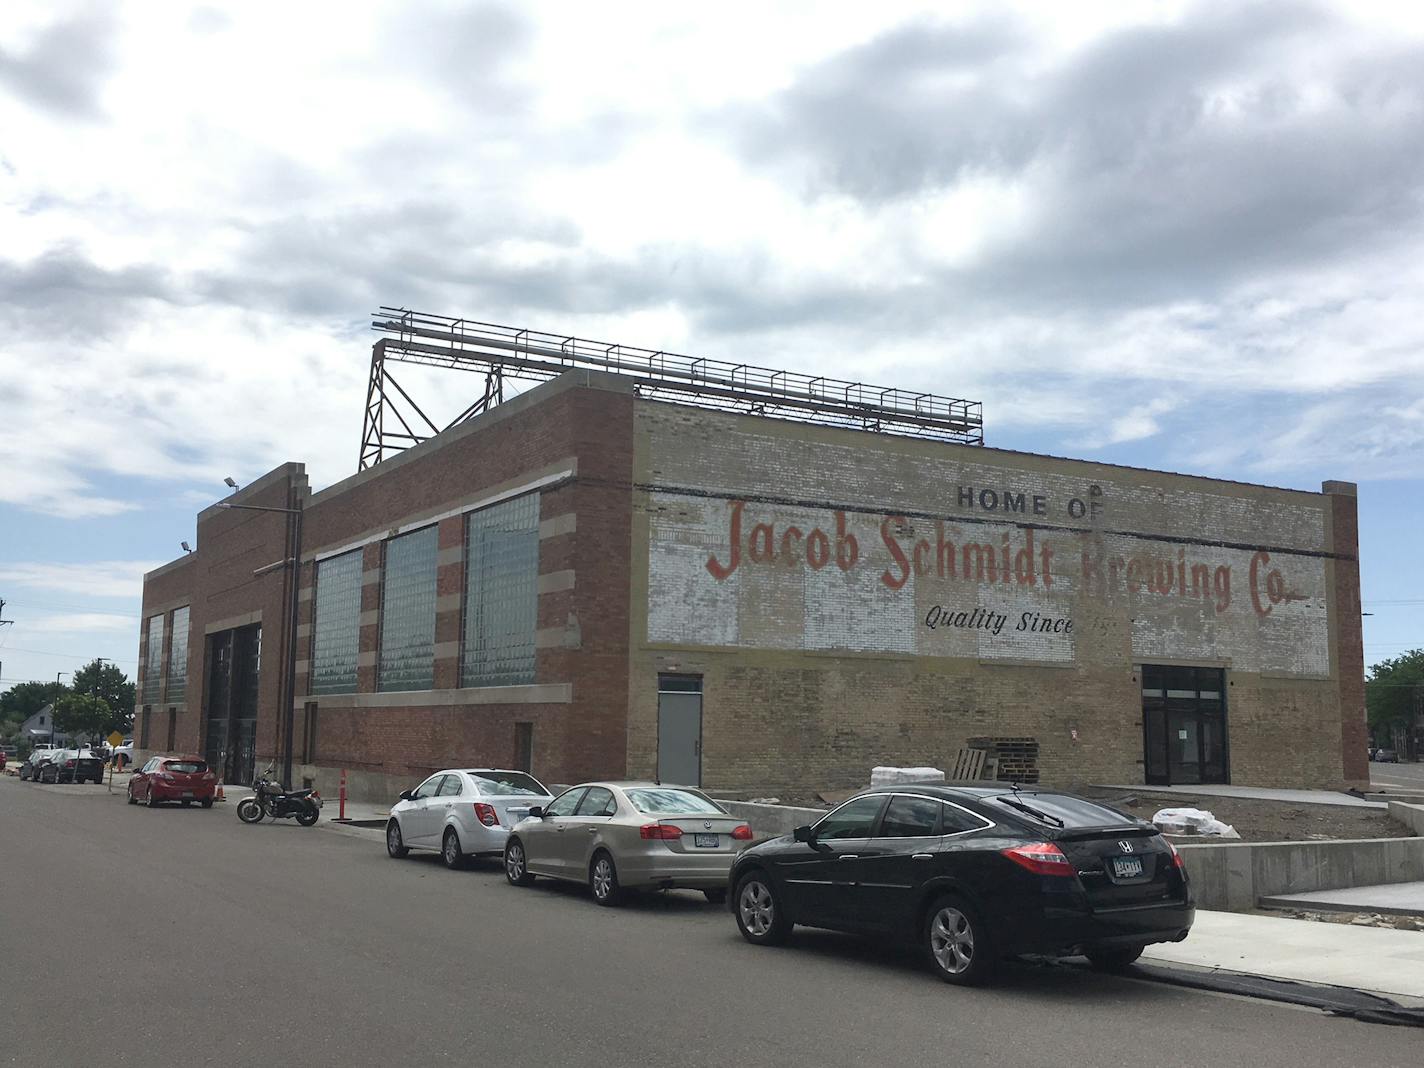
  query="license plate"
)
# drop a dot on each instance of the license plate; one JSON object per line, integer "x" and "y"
{"x": 706, "y": 841}
{"x": 1126, "y": 867}
{"x": 187, "y": 793}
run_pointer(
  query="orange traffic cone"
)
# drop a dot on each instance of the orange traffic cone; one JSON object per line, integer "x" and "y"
{"x": 220, "y": 796}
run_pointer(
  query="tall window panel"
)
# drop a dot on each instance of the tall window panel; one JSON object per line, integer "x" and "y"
{"x": 501, "y": 594}
{"x": 178, "y": 658}
{"x": 153, "y": 660}
{"x": 336, "y": 624}
{"x": 408, "y": 612}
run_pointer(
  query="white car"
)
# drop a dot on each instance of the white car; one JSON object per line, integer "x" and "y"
{"x": 462, "y": 813}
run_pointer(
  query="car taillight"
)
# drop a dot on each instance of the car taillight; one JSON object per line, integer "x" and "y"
{"x": 660, "y": 832}
{"x": 69, "y": 763}
{"x": 742, "y": 833}
{"x": 1177, "y": 861}
{"x": 486, "y": 814}
{"x": 1041, "y": 858}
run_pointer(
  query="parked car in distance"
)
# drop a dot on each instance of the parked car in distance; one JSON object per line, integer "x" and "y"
{"x": 462, "y": 813}
{"x": 620, "y": 836}
{"x": 72, "y": 765}
{"x": 173, "y": 778}
{"x": 1386, "y": 756}
{"x": 35, "y": 762}
{"x": 123, "y": 755}
{"x": 971, "y": 874}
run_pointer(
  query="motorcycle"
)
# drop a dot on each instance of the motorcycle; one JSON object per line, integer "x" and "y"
{"x": 272, "y": 799}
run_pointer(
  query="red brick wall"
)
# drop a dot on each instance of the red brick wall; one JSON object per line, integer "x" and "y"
{"x": 217, "y": 584}
{"x": 1349, "y": 636}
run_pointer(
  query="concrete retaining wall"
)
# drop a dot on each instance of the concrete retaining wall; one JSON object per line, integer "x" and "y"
{"x": 1412, "y": 816}
{"x": 1233, "y": 877}
{"x": 772, "y": 821}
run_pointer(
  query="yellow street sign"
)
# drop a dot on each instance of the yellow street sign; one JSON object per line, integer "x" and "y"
{"x": 115, "y": 739}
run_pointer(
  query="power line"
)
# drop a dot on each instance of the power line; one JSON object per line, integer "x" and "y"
{"x": 67, "y": 656}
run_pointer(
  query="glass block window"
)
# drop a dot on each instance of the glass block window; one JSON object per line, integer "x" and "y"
{"x": 408, "y": 612}
{"x": 336, "y": 624}
{"x": 178, "y": 658}
{"x": 153, "y": 660}
{"x": 501, "y": 593}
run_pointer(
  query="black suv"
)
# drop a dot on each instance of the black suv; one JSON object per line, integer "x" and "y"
{"x": 972, "y": 874}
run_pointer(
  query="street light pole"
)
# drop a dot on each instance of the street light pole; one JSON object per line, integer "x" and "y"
{"x": 93, "y": 690}
{"x": 293, "y": 563}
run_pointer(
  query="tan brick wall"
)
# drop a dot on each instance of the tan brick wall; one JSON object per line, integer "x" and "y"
{"x": 818, "y": 660}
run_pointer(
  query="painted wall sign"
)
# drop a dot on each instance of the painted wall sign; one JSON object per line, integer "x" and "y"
{"x": 1014, "y": 566}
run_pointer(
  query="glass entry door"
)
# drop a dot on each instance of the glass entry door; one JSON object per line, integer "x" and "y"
{"x": 1184, "y": 725}
{"x": 230, "y": 744}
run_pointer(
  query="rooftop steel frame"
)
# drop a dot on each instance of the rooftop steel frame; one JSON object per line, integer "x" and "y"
{"x": 394, "y": 421}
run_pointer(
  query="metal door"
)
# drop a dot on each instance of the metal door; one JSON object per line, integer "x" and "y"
{"x": 680, "y": 730}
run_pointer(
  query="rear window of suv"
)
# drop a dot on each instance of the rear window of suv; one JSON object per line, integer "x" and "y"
{"x": 1060, "y": 810}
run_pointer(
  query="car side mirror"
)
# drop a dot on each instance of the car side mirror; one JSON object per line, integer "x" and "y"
{"x": 406, "y": 795}
{"x": 803, "y": 834}
{"x": 537, "y": 810}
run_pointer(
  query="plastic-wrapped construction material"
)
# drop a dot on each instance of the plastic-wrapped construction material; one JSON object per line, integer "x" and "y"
{"x": 1192, "y": 821}
{"x": 894, "y": 776}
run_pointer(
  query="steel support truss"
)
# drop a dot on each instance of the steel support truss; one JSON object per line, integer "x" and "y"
{"x": 394, "y": 421}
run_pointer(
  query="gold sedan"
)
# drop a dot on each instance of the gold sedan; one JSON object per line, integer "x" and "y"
{"x": 621, "y": 836}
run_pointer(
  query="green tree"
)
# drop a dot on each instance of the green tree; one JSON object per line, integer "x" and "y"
{"x": 24, "y": 699}
{"x": 109, "y": 682}
{"x": 1390, "y": 692}
{"x": 81, "y": 716}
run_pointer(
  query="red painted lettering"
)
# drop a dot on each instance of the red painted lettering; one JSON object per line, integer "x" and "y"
{"x": 719, "y": 571}
{"x": 896, "y": 553}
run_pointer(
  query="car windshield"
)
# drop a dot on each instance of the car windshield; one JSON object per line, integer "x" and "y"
{"x": 507, "y": 784}
{"x": 1060, "y": 810}
{"x": 190, "y": 767}
{"x": 666, "y": 802}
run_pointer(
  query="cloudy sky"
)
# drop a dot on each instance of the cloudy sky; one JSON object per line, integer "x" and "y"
{"x": 1172, "y": 235}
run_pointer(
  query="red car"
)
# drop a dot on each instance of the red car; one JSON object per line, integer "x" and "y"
{"x": 181, "y": 778}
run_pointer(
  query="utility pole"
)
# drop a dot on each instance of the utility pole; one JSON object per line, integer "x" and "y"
{"x": 57, "y": 674}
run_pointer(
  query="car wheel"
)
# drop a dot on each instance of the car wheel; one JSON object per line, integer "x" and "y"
{"x": 603, "y": 880}
{"x": 187, "y": 804}
{"x": 516, "y": 863}
{"x": 450, "y": 850}
{"x": 717, "y": 897}
{"x": 207, "y": 802}
{"x": 152, "y": 799}
{"x": 958, "y": 943}
{"x": 395, "y": 845}
{"x": 132, "y": 800}
{"x": 1115, "y": 959}
{"x": 760, "y": 915}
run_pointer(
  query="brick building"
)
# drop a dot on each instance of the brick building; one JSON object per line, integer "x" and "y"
{"x": 588, "y": 582}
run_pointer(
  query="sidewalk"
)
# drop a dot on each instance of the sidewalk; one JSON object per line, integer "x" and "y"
{"x": 1363, "y": 958}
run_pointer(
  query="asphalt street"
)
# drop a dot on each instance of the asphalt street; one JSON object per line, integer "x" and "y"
{"x": 181, "y": 937}
{"x": 1398, "y": 776}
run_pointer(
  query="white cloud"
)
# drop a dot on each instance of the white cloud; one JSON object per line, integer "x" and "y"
{"x": 1106, "y": 223}
{"x": 83, "y": 622}
{"x": 100, "y": 578}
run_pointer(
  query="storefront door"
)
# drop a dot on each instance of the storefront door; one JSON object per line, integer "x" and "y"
{"x": 1184, "y": 725}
